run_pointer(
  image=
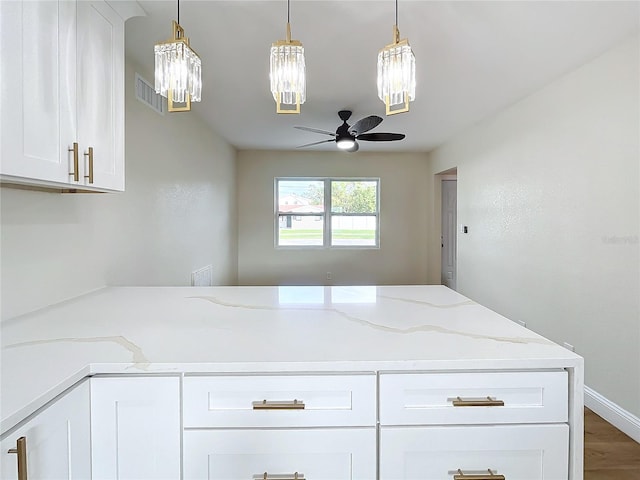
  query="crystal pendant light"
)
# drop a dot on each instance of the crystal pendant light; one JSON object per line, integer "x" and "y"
{"x": 397, "y": 73}
{"x": 178, "y": 71}
{"x": 287, "y": 73}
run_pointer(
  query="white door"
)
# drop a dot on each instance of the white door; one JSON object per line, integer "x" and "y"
{"x": 57, "y": 441}
{"x": 101, "y": 94}
{"x": 519, "y": 452}
{"x": 135, "y": 428}
{"x": 316, "y": 454}
{"x": 449, "y": 241}
{"x": 38, "y": 89}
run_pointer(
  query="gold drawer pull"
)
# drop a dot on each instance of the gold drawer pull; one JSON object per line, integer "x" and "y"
{"x": 75, "y": 173}
{"x": 90, "y": 155}
{"x": 279, "y": 476}
{"x": 481, "y": 476}
{"x": 21, "y": 450}
{"x": 271, "y": 405}
{"x": 477, "y": 402}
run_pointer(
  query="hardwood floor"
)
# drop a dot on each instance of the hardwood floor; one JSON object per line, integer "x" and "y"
{"x": 609, "y": 454}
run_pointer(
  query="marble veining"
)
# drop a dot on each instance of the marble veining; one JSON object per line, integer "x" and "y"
{"x": 222, "y": 303}
{"x": 386, "y": 328}
{"x": 430, "y": 304}
{"x": 446, "y": 331}
{"x": 137, "y": 356}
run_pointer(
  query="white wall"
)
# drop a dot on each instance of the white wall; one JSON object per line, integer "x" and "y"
{"x": 550, "y": 191}
{"x": 178, "y": 214}
{"x": 402, "y": 257}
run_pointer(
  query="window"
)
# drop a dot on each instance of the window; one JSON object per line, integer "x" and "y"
{"x": 327, "y": 212}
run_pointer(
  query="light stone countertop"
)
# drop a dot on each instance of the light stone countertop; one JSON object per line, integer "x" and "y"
{"x": 124, "y": 330}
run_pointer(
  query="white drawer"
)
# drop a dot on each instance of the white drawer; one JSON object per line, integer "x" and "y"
{"x": 522, "y": 452}
{"x": 430, "y": 398}
{"x": 316, "y": 454}
{"x": 234, "y": 401}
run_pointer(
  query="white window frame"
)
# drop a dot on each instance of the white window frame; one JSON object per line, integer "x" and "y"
{"x": 327, "y": 214}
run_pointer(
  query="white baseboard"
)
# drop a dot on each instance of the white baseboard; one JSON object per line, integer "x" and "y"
{"x": 612, "y": 413}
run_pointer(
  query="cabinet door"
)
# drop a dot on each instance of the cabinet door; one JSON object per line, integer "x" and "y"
{"x": 319, "y": 454}
{"x": 58, "y": 441}
{"x": 523, "y": 452}
{"x": 135, "y": 428}
{"x": 100, "y": 51}
{"x": 38, "y": 89}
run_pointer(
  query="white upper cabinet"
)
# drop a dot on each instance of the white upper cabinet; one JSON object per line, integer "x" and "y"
{"x": 62, "y": 93}
{"x": 38, "y": 89}
{"x": 100, "y": 88}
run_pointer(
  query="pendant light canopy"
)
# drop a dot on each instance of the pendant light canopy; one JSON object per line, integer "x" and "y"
{"x": 287, "y": 73}
{"x": 178, "y": 70}
{"x": 397, "y": 73}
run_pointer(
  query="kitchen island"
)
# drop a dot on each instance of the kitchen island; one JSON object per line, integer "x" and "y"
{"x": 410, "y": 356}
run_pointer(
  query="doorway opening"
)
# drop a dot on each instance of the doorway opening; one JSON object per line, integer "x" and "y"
{"x": 448, "y": 225}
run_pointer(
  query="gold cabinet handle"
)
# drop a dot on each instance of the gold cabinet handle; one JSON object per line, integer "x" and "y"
{"x": 482, "y": 476}
{"x": 75, "y": 173}
{"x": 271, "y": 405}
{"x": 21, "y": 450}
{"x": 279, "y": 476}
{"x": 477, "y": 402}
{"x": 90, "y": 155}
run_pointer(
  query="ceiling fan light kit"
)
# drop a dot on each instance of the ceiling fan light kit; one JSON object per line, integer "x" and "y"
{"x": 397, "y": 73}
{"x": 178, "y": 70}
{"x": 287, "y": 73}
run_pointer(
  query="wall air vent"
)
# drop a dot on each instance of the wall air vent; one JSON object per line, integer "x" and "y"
{"x": 202, "y": 277}
{"x": 145, "y": 92}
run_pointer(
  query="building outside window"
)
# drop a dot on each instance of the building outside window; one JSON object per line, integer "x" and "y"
{"x": 327, "y": 212}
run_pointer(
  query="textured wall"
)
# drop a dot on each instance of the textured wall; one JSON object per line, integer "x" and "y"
{"x": 402, "y": 257}
{"x": 550, "y": 191}
{"x": 177, "y": 214}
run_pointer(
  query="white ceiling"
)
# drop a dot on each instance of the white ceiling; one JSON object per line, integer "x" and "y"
{"x": 473, "y": 59}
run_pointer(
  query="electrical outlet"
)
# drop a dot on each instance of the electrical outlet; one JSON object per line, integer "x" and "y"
{"x": 568, "y": 346}
{"x": 328, "y": 275}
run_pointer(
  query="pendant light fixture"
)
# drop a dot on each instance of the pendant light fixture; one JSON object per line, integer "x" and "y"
{"x": 287, "y": 73}
{"x": 178, "y": 71}
{"x": 397, "y": 73}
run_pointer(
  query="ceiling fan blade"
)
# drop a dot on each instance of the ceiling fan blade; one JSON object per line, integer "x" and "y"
{"x": 381, "y": 137}
{"x": 316, "y": 130}
{"x": 316, "y": 143}
{"x": 365, "y": 124}
{"x": 354, "y": 148}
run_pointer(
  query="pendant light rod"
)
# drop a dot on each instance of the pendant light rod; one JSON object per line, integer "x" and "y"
{"x": 179, "y": 11}
{"x": 288, "y": 21}
{"x": 396, "y": 30}
{"x": 396, "y": 11}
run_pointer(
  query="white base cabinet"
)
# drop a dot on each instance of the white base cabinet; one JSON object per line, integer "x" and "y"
{"x": 322, "y": 454}
{"x": 391, "y": 426}
{"x": 135, "y": 428}
{"x": 57, "y": 441}
{"x": 529, "y": 452}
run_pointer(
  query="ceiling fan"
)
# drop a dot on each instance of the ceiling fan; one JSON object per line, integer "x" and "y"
{"x": 346, "y": 136}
